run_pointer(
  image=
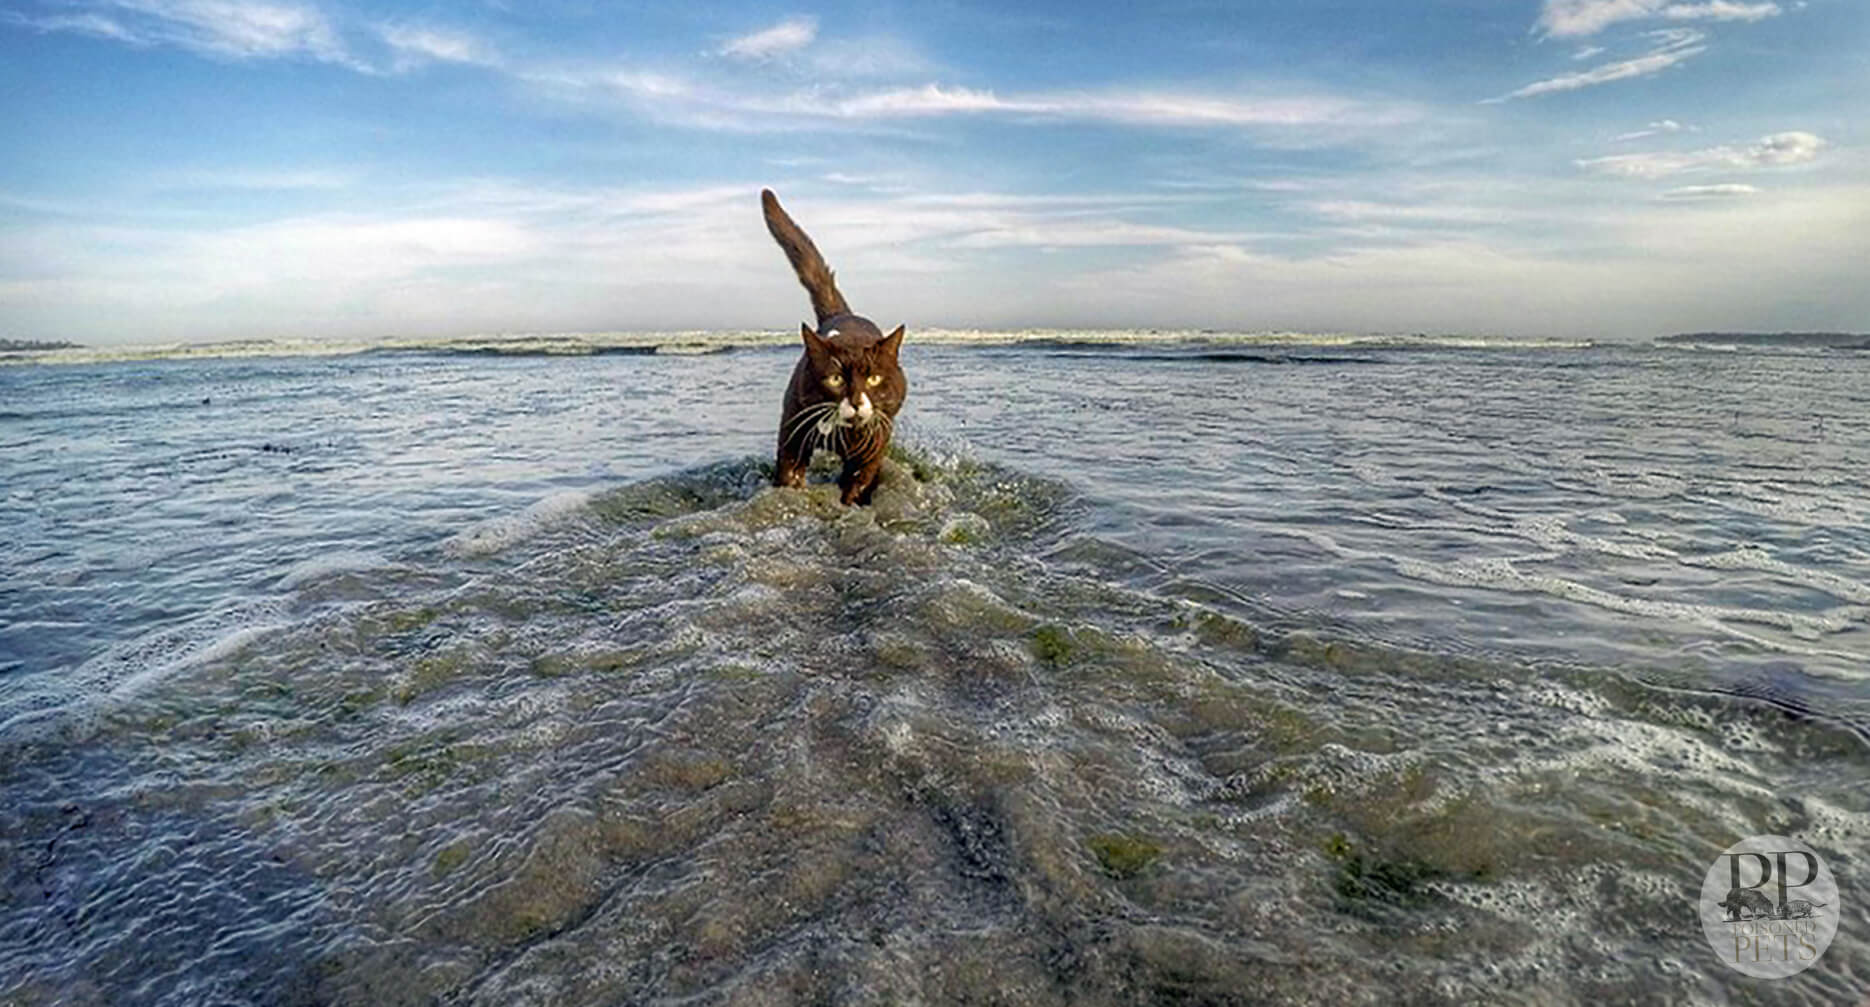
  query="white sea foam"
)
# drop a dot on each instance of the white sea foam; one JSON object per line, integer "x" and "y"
{"x": 128, "y": 668}
{"x": 218, "y": 647}
{"x": 496, "y": 534}
{"x": 320, "y": 567}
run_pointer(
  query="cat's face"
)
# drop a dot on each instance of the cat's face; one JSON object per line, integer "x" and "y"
{"x": 854, "y": 366}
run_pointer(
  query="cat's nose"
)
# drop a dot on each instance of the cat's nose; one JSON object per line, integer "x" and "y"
{"x": 846, "y": 410}
{"x": 864, "y": 409}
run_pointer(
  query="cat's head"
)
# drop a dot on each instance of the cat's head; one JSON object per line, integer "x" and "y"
{"x": 854, "y": 364}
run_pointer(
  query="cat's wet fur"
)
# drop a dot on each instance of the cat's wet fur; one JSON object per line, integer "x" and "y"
{"x": 848, "y": 386}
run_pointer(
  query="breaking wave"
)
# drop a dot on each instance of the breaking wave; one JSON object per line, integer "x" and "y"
{"x": 717, "y": 341}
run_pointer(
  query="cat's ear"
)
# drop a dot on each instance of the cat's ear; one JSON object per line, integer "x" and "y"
{"x": 817, "y": 346}
{"x": 893, "y": 342}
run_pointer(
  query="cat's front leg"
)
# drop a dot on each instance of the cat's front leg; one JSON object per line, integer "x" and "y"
{"x": 859, "y": 479}
{"x": 788, "y": 468}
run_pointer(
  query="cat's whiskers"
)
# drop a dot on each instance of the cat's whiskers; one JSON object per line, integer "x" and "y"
{"x": 878, "y": 426}
{"x": 830, "y": 428}
{"x": 811, "y": 414}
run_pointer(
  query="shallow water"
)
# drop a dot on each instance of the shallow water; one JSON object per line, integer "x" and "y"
{"x": 1177, "y": 672}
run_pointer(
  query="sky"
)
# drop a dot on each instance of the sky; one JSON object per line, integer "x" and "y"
{"x": 229, "y": 169}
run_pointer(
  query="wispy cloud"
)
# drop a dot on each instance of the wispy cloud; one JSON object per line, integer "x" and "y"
{"x": 679, "y": 101}
{"x": 1671, "y": 46}
{"x": 909, "y": 102}
{"x": 223, "y": 29}
{"x": 415, "y": 46}
{"x": 1368, "y": 211}
{"x": 1578, "y": 18}
{"x": 1075, "y": 233}
{"x": 93, "y": 24}
{"x": 1146, "y": 108}
{"x": 1793, "y": 147}
{"x": 1721, "y": 10}
{"x": 1702, "y": 193}
{"x": 1199, "y": 110}
{"x": 792, "y": 34}
{"x": 254, "y": 30}
{"x": 1654, "y": 128}
{"x": 237, "y": 29}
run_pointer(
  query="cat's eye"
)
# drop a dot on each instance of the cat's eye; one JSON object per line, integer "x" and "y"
{"x": 874, "y": 380}
{"x": 834, "y": 380}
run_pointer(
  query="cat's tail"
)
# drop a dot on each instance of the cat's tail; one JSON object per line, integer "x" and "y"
{"x": 813, "y": 273}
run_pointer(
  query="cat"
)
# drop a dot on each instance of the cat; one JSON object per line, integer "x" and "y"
{"x": 847, "y": 387}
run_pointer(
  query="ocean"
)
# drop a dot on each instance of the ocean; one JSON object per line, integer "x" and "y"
{"x": 1167, "y": 667}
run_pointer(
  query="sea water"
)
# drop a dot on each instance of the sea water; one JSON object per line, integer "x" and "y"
{"x": 1188, "y": 667}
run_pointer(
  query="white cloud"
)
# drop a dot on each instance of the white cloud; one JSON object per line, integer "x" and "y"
{"x": 260, "y": 29}
{"x": 646, "y": 84}
{"x": 1573, "y": 18}
{"x": 1142, "y": 108}
{"x": 1672, "y": 47}
{"x": 792, "y": 34}
{"x": 415, "y": 46}
{"x": 1463, "y": 213}
{"x": 240, "y": 29}
{"x": 681, "y": 102}
{"x": 1206, "y": 110}
{"x": 90, "y": 23}
{"x": 1577, "y": 18}
{"x": 1785, "y": 148}
{"x": 228, "y": 29}
{"x": 929, "y": 99}
{"x": 1697, "y": 193}
{"x": 1793, "y": 147}
{"x": 1088, "y": 233}
{"x": 1721, "y": 10}
{"x": 1659, "y": 126}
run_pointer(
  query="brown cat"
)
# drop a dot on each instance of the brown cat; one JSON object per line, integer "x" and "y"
{"x": 847, "y": 387}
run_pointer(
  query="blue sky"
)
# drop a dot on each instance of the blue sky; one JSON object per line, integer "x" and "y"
{"x": 217, "y": 169}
